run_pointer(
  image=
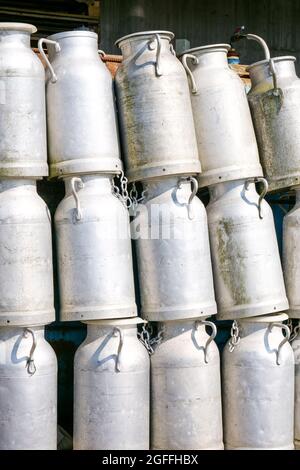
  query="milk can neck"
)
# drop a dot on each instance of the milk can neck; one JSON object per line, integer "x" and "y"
{"x": 15, "y": 38}
{"x": 8, "y": 332}
{"x": 156, "y": 187}
{"x": 231, "y": 187}
{"x": 284, "y": 68}
{"x": 99, "y": 184}
{"x": 79, "y": 46}
{"x": 171, "y": 329}
{"x": 212, "y": 58}
{"x": 6, "y": 184}
{"x": 99, "y": 331}
{"x": 142, "y": 44}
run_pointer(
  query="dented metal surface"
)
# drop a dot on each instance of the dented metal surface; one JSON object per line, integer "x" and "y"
{"x": 94, "y": 252}
{"x": 81, "y": 115}
{"x": 258, "y": 387}
{"x": 186, "y": 411}
{"x": 276, "y": 120}
{"x": 225, "y": 135}
{"x": 28, "y": 390}
{"x": 173, "y": 254}
{"x": 156, "y": 117}
{"x": 111, "y": 388}
{"x": 23, "y": 146}
{"x": 247, "y": 269}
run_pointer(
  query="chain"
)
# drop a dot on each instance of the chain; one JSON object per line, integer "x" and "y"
{"x": 235, "y": 338}
{"x": 135, "y": 200}
{"x": 150, "y": 343}
{"x": 294, "y": 330}
{"x": 122, "y": 195}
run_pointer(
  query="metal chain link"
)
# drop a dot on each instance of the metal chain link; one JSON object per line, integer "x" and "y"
{"x": 235, "y": 338}
{"x": 135, "y": 199}
{"x": 122, "y": 195}
{"x": 150, "y": 343}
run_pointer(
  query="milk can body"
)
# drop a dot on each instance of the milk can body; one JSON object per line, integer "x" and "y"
{"x": 81, "y": 115}
{"x": 291, "y": 257}
{"x": 276, "y": 120}
{"x": 94, "y": 252}
{"x": 28, "y": 390}
{"x": 258, "y": 387}
{"x": 245, "y": 257}
{"x": 111, "y": 389}
{"x": 26, "y": 274}
{"x": 156, "y": 117}
{"x": 296, "y": 349}
{"x": 173, "y": 254}
{"x": 186, "y": 411}
{"x": 23, "y": 146}
{"x": 225, "y": 135}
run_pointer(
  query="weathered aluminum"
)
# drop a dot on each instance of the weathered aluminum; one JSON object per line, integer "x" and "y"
{"x": 245, "y": 258}
{"x": 173, "y": 254}
{"x": 26, "y": 275}
{"x": 81, "y": 115}
{"x": 94, "y": 252}
{"x": 155, "y": 109}
{"x": 28, "y": 390}
{"x": 23, "y": 145}
{"x": 296, "y": 349}
{"x": 111, "y": 389}
{"x": 258, "y": 387}
{"x": 226, "y": 139}
{"x": 186, "y": 411}
{"x": 291, "y": 256}
{"x": 276, "y": 120}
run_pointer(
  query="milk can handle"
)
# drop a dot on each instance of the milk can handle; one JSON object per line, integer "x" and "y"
{"x": 263, "y": 193}
{"x": 119, "y": 332}
{"x": 210, "y": 339}
{"x": 188, "y": 70}
{"x": 31, "y": 368}
{"x": 101, "y": 52}
{"x": 78, "y": 210}
{"x": 195, "y": 185}
{"x": 42, "y": 52}
{"x": 285, "y": 339}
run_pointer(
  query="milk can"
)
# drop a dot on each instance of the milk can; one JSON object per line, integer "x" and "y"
{"x": 173, "y": 254}
{"x": 274, "y": 101}
{"x": 94, "y": 252}
{"x": 82, "y": 127}
{"x": 23, "y": 146}
{"x": 226, "y": 139}
{"x": 156, "y": 117}
{"x": 258, "y": 386}
{"x": 111, "y": 389}
{"x": 291, "y": 257}
{"x": 28, "y": 390}
{"x": 245, "y": 257}
{"x": 296, "y": 349}
{"x": 186, "y": 412}
{"x": 26, "y": 276}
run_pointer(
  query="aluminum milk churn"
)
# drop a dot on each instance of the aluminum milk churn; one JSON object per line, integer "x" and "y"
{"x": 226, "y": 139}
{"x": 173, "y": 254}
{"x": 94, "y": 252}
{"x": 23, "y": 145}
{"x": 156, "y": 117}
{"x": 82, "y": 126}
{"x": 274, "y": 101}
{"x": 258, "y": 386}
{"x": 28, "y": 390}
{"x": 26, "y": 275}
{"x": 186, "y": 410}
{"x": 245, "y": 257}
{"x": 291, "y": 257}
{"x": 111, "y": 390}
{"x": 296, "y": 349}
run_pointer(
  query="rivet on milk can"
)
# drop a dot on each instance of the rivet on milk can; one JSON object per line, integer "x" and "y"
{"x": 291, "y": 256}
{"x": 81, "y": 115}
{"x": 186, "y": 410}
{"x": 225, "y": 134}
{"x": 274, "y": 101}
{"x": 112, "y": 388}
{"x": 258, "y": 370}
{"x": 173, "y": 253}
{"x": 23, "y": 145}
{"x": 26, "y": 273}
{"x": 28, "y": 390}
{"x": 156, "y": 118}
{"x": 246, "y": 264}
{"x": 94, "y": 251}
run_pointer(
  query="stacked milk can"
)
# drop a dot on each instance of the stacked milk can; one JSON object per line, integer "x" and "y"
{"x": 111, "y": 388}
{"x": 172, "y": 243}
{"x": 28, "y": 366}
{"x": 258, "y": 364}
